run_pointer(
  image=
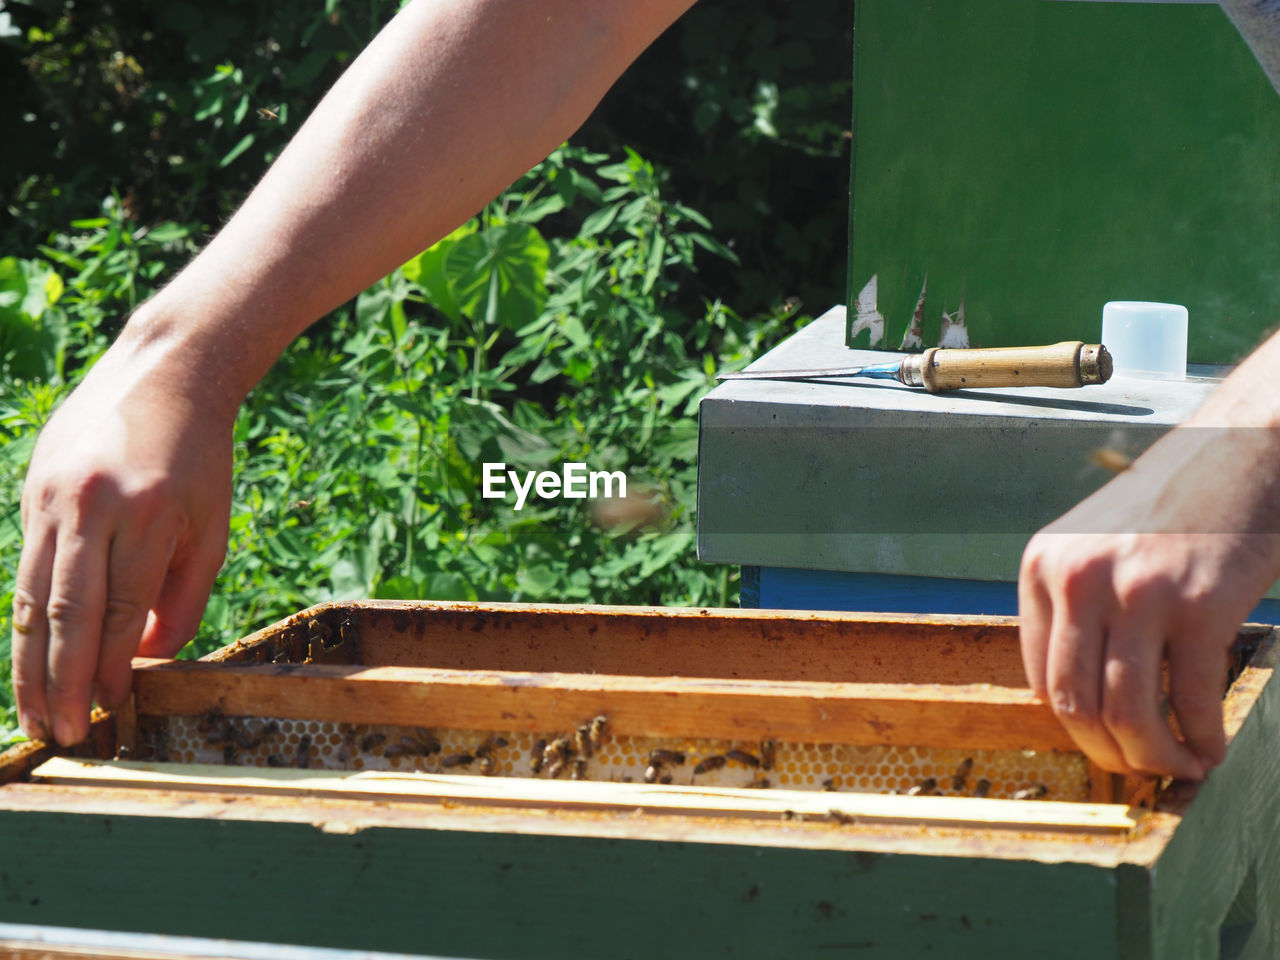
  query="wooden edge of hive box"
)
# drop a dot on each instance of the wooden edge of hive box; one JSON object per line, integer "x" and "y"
{"x": 447, "y": 861}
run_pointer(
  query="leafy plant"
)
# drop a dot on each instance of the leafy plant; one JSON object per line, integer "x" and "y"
{"x": 579, "y": 318}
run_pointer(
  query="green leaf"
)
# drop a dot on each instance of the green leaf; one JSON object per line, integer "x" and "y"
{"x": 447, "y": 586}
{"x": 398, "y": 588}
{"x": 654, "y": 266}
{"x": 245, "y": 143}
{"x": 211, "y": 106}
{"x": 572, "y": 328}
{"x": 534, "y": 212}
{"x": 372, "y": 306}
{"x": 600, "y": 220}
{"x": 713, "y": 246}
{"x": 62, "y": 257}
{"x": 32, "y": 336}
{"x": 663, "y": 550}
{"x": 673, "y": 394}
{"x": 427, "y": 271}
{"x": 347, "y": 581}
{"x": 579, "y": 368}
{"x": 500, "y": 273}
{"x": 537, "y": 582}
{"x": 168, "y": 232}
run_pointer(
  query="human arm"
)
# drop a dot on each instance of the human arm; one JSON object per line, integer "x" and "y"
{"x": 126, "y": 500}
{"x": 1160, "y": 565}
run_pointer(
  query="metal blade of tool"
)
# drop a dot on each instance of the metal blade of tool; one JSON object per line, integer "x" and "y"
{"x": 880, "y": 371}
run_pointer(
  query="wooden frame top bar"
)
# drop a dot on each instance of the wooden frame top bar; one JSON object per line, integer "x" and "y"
{"x": 975, "y": 715}
{"x": 655, "y": 641}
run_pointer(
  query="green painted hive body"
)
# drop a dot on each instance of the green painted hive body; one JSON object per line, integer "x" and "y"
{"x": 1196, "y": 877}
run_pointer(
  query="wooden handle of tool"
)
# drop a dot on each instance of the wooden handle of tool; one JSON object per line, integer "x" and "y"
{"x": 1067, "y": 364}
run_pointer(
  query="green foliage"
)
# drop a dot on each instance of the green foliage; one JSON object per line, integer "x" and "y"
{"x": 160, "y": 101}
{"x": 32, "y": 336}
{"x": 543, "y": 331}
{"x": 747, "y": 103}
{"x": 579, "y": 318}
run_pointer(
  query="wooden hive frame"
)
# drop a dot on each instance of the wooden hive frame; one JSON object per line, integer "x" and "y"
{"x": 779, "y": 872}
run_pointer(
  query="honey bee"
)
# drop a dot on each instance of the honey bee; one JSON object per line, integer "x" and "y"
{"x": 961, "y": 775}
{"x": 651, "y": 773}
{"x": 428, "y": 744}
{"x": 829, "y": 784}
{"x": 372, "y": 740}
{"x": 760, "y": 782}
{"x": 536, "y": 757}
{"x": 404, "y": 747}
{"x": 1031, "y": 793}
{"x": 744, "y": 758}
{"x": 122, "y": 752}
{"x": 628, "y": 515}
{"x": 229, "y": 754}
{"x": 559, "y": 749}
{"x": 665, "y": 778}
{"x": 348, "y": 747}
{"x": 707, "y": 764}
{"x": 1108, "y": 458}
{"x": 556, "y": 767}
{"x": 270, "y": 113}
{"x": 580, "y": 769}
{"x": 210, "y": 719}
{"x": 318, "y": 630}
{"x": 484, "y": 753}
{"x": 926, "y": 787}
{"x": 304, "y": 752}
{"x": 768, "y": 754}
{"x": 582, "y": 740}
{"x": 663, "y": 758}
{"x": 840, "y": 817}
{"x": 275, "y": 760}
{"x": 347, "y": 630}
{"x": 598, "y": 725}
{"x": 982, "y": 787}
{"x": 423, "y": 745}
{"x": 457, "y": 760}
{"x": 251, "y": 741}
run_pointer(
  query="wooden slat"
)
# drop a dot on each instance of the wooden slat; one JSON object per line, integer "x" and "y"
{"x": 711, "y": 801}
{"x": 661, "y": 641}
{"x": 20, "y": 759}
{"x": 973, "y": 716}
{"x": 20, "y": 941}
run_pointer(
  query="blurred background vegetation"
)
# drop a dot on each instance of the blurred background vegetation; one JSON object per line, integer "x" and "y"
{"x": 697, "y": 218}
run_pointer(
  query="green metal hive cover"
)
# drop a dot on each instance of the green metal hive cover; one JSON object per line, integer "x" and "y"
{"x": 1032, "y": 160}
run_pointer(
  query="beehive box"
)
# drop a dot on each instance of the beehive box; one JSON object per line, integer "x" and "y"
{"x": 511, "y": 781}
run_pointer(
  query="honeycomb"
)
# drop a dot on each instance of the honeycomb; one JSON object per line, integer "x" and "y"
{"x": 261, "y": 742}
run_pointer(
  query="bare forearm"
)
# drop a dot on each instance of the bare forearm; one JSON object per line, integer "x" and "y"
{"x": 452, "y": 102}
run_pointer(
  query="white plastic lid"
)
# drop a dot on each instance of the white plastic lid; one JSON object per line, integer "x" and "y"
{"x": 1146, "y": 339}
